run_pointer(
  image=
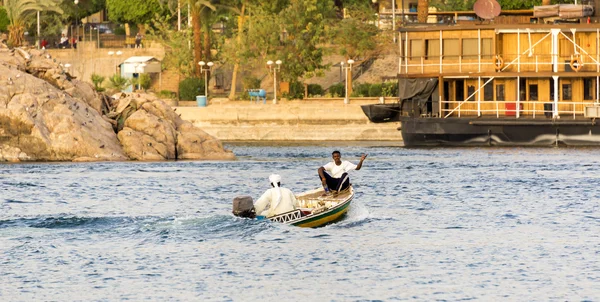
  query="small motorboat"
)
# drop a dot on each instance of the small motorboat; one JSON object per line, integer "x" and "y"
{"x": 317, "y": 208}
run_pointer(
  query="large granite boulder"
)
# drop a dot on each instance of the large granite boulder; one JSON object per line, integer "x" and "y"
{"x": 151, "y": 130}
{"x": 48, "y": 115}
{"x": 39, "y": 122}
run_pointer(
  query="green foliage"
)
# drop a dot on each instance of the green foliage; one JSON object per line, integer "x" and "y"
{"x": 389, "y": 88}
{"x": 119, "y": 30}
{"x": 84, "y": 8}
{"x": 98, "y": 80}
{"x": 462, "y": 5}
{"x": 190, "y": 88}
{"x": 3, "y": 19}
{"x": 522, "y": 4}
{"x": 256, "y": 40}
{"x": 355, "y": 36}
{"x": 118, "y": 83}
{"x": 371, "y": 89}
{"x": 167, "y": 94}
{"x": 296, "y": 91}
{"x": 143, "y": 81}
{"x": 337, "y": 90}
{"x": 453, "y": 5}
{"x": 51, "y": 25}
{"x": 315, "y": 90}
{"x": 251, "y": 83}
{"x": 20, "y": 12}
{"x": 177, "y": 54}
{"x": 375, "y": 90}
{"x": 361, "y": 90}
{"x": 304, "y": 21}
{"x": 133, "y": 11}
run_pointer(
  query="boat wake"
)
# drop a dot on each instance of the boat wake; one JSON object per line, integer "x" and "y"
{"x": 146, "y": 227}
{"x": 356, "y": 216}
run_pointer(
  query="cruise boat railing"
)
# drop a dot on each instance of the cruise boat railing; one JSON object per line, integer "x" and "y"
{"x": 526, "y": 109}
{"x": 528, "y": 63}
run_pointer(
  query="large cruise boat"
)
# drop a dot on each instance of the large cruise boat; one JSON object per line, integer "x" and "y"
{"x": 513, "y": 80}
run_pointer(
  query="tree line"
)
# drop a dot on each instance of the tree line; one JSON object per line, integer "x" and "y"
{"x": 298, "y": 32}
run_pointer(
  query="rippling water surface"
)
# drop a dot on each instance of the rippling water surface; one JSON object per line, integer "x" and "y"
{"x": 426, "y": 224}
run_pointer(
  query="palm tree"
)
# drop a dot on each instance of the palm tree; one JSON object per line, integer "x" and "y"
{"x": 422, "y": 11}
{"x": 19, "y": 11}
{"x": 201, "y": 12}
{"x": 197, "y": 9}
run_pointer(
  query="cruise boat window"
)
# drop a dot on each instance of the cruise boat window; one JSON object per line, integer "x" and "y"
{"x": 416, "y": 49}
{"x": 499, "y": 92}
{"x": 469, "y": 49}
{"x": 486, "y": 48}
{"x": 567, "y": 92}
{"x": 588, "y": 88}
{"x": 451, "y": 48}
{"x": 432, "y": 49}
{"x": 459, "y": 90}
{"x": 488, "y": 90}
{"x": 470, "y": 92}
{"x": 533, "y": 92}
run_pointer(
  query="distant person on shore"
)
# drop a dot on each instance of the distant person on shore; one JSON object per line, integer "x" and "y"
{"x": 74, "y": 42}
{"x": 64, "y": 41}
{"x": 334, "y": 175}
{"x": 276, "y": 200}
{"x": 44, "y": 43}
{"x": 138, "y": 40}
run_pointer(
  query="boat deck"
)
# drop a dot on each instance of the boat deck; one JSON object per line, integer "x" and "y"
{"x": 317, "y": 197}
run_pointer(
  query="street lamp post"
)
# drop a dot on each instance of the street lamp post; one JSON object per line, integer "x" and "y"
{"x": 74, "y": 40}
{"x": 110, "y": 54}
{"x": 38, "y": 29}
{"x": 117, "y": 54}
{"x": 274, "y": 69}
{"x": 347, "y": 70}
{"x": 205, "y": 70}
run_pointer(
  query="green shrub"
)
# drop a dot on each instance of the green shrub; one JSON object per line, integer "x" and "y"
{"x": 190, "y": 88}
{"x": 315, "y": 90}
{"x": 337, "y": 90}
{"x": 390, "y": 88}
{"x": 296, "y": 91}
{"x": 361, "y": 90}
{"x": 143, "y": 81}
{"x": 98, "y": 80}
{"x": 251, "y": 83}
{"x": 119, "y": 30}
{"x": 118, "y": 82}
{"x": 4, "y": 22}
{"x": 375, "y": 90}
{"x": 166, "y": 94}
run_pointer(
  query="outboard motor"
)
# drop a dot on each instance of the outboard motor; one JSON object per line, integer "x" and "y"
{"x": 243, "y": 206}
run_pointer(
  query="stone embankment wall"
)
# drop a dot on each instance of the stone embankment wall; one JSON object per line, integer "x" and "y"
{"x": 308, "y": 120}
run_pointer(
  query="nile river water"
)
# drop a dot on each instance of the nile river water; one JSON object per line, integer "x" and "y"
{"x": 488, "y": 224}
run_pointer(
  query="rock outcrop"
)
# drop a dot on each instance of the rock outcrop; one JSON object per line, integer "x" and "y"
{"x": 150, "y": 130}
{"x": 47, "y": 115}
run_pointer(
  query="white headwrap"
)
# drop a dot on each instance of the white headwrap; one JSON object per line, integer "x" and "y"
{"x": 275, "y": 179}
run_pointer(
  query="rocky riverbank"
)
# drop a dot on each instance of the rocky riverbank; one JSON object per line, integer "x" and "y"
{"x": 48, "y": 115}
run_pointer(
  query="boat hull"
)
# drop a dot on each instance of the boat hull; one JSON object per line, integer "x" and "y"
{"x": 323, "y": 209}
{"x": 423, "y": 131}
{"x": 324, "y": 218}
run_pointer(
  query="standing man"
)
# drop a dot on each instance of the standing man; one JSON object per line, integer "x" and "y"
{"x": 334, "y": 175}
{"x": 276, "y": 200}
{"x": 138, "y": 40}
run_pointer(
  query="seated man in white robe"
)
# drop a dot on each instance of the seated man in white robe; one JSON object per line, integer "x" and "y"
{"x": 276, "y": 200}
